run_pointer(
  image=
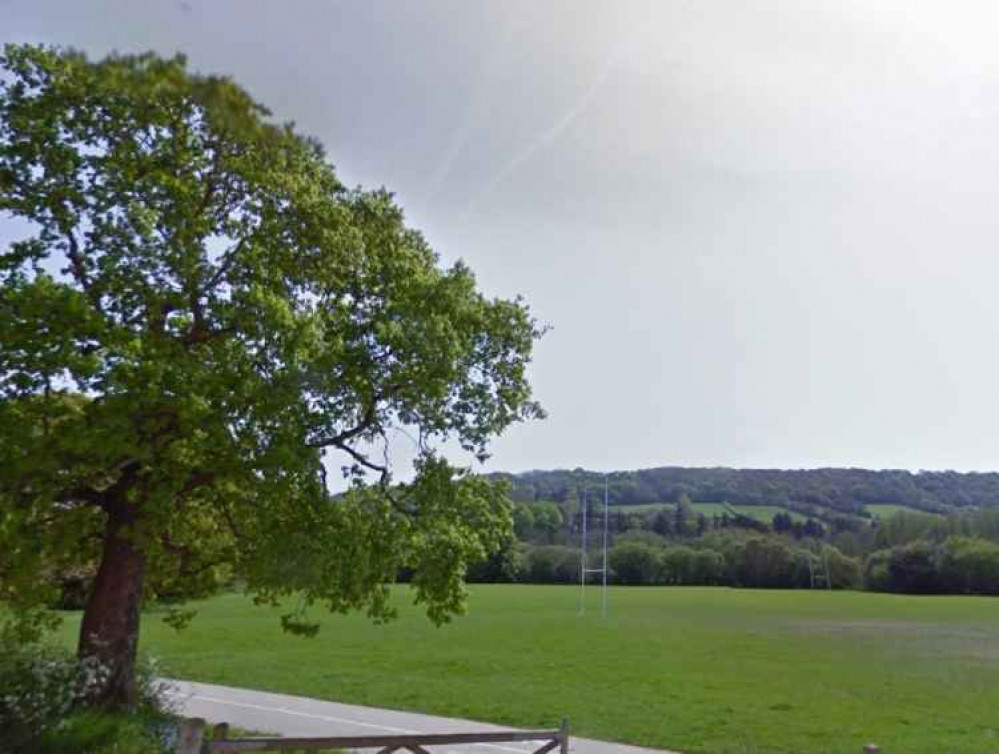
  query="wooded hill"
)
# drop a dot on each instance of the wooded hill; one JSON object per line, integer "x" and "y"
{"x": 844, "y": 490}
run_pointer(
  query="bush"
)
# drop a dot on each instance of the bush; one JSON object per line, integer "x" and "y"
{"x": 504, "y": 566}
{"x": 844, "y": 572}
{"x": 960, "y": 565}
{"x": 635, "y": 563}
{"x": 645, "y": 537}
{"x": 678, "y": 565}
{"x": 40, "y": 690}
{"x": 913, "y": 568}
{"x": 877, "y": 576}
{"x": 969, "y": 566}
{"x": 95, "y": 733}
{"x": 40, "y": 687}
{"x": 708, "y": 567}
{"x": 552, "y": 564}
{"x": 762, "y": 562}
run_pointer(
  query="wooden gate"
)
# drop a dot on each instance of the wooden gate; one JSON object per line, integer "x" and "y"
{"x": 192, "y": 741}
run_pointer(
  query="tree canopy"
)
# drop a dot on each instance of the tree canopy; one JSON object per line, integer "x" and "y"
{"x": 199, "y": 316}
{"x": 846, "y": 490}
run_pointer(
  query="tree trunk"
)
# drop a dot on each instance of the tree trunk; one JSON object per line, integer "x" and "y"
{"x": 109, "y": 632}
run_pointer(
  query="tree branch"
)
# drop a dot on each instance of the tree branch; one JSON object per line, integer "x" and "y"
{"x": 363, "y": 460}
{"x": 129, "y": 477}
{"x": 225, "y": 264}
{"x": 79, "y": 270}
{"x": 368, "y": 421}
{"x": 197, "y": 333}
{"x": 227, "y": 515}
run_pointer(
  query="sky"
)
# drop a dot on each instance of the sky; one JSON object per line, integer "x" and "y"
{"x": 763, "y": 233}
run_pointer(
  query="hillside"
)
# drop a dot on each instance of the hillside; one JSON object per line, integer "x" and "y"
{"x": 845, "y": 491}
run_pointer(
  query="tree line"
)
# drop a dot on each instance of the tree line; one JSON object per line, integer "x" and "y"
{"x": 907, "y": 553}
{"x": 843, "y": 490}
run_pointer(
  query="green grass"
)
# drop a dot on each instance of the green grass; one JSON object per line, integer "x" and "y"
{"x": 642, "y": 508}
{"x": 711, "y": 509}
{"x": 694, "y": 669}
{"x": 887, "y": 510}
{"x": 764, "y": 513}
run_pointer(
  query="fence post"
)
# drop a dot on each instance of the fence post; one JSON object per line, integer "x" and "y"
{"x": 872, "y": 749}
{"x": 192, "y": 733}
{"x": 563, "y": 736}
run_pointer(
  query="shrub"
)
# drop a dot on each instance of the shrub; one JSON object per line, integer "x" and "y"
{"x": 844, "y": 572}
{"x": 650, "y": 538}
{"x": 708, "y": 567}
{"x": 678, "y": 565}
{"x": 877, "y": 576}
{"x": 506, "y": 565}
{"x": 40, "y": 690}
{"x": 970, "y": 566}
{"x": 913, "y": 568}
{"x": 762, "y": 562}
{"x": 635, "y": 563}
{"x": 95, "y": 733}
{"x": 552, "y": 564}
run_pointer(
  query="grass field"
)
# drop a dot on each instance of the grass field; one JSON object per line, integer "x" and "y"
{"x": 887, "y": 510}
{"x": 763, "y": 513}
{"x": 642, "y": 508}
{"x": 696, "y": 669}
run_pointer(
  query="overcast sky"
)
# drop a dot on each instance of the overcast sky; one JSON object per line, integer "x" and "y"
{"x": 764, "y": 234}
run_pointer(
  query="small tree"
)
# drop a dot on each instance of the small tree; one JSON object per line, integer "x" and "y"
{"x": 199, "y": 314}
{"x": 662, "y": 523}
{"x": 782, "y": 522}
{"x": 635, "y": 563}
{"x": 523, "y": 521}
{"x": 683, "y": 514}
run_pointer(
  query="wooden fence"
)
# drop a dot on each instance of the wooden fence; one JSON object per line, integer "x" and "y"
{"x": 192, "y": 740}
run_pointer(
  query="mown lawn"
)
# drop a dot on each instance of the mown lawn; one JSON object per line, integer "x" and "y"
{"x": 695, "y": 669}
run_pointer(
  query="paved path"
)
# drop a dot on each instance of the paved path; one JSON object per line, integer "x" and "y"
{"x": 300, "y": 716}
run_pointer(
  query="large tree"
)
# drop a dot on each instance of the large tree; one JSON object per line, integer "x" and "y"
{"x": 198, "y": 318}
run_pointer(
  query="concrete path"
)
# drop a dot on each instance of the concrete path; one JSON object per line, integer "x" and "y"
{"x": 300, "y": 716}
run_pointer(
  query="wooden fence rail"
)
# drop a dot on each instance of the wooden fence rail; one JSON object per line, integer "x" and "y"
{"x": 193, "y": 742}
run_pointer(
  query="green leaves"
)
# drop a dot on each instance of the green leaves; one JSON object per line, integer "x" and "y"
{"x": 211, "y": 319}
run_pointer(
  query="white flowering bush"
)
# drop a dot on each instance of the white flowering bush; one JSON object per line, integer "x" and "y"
{"x": 40, "y": 690}
{"x": 39, "y": 686}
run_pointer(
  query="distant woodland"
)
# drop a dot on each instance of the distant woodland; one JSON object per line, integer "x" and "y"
{"x": 893, "y": 531}
{"x": 844, "y": 490}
